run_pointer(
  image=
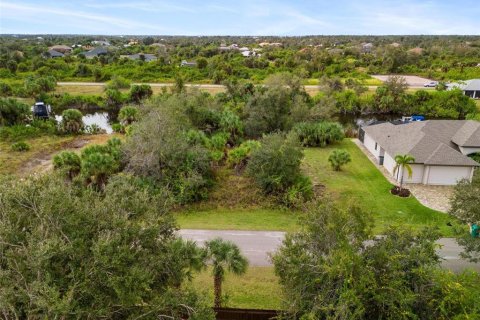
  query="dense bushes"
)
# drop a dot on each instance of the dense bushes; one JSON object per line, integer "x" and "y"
{"x": 394, "y": 275}
{"x": 275, "y": 167}
{"x": 12, "y": 112}
{"x": 74, "y": 253}
{"x": 319, "y": 134}
{"x": 158, "y": 149}
{"x": 95, "y": 164}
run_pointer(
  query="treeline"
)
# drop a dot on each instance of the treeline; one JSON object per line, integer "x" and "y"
{"x": 443, "y": 58}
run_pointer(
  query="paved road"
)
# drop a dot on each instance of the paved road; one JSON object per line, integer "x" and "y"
{"x": 256, "y": 246}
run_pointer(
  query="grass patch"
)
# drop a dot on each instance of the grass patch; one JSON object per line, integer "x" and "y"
{"x": 238, "y": 219}
{"x": 257, "y": 289}
{"x": 13, "y": 162}
{"x": 362, "y": 184}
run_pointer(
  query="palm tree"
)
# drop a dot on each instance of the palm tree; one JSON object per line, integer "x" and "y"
{"x": 223, "y": 255}
{"x": 403, "y": 163}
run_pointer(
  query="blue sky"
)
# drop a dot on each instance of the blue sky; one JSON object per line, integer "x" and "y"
{"x": 240, "y": 17}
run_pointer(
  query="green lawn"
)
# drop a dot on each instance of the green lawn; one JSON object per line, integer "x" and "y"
{"x": 238, "y": 219}
{"x": 362, "y": 184}
{"x": 257, "y": 289}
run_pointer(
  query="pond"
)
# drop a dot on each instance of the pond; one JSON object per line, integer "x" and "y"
{"x": 363, "y": 119}
{"x": 100, "y": 118}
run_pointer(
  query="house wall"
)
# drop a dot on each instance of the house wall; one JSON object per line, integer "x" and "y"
{"x": 370, "y": 145}
{"x": 467, "y": 151}
{"x": 389, "y": 163}
{"x": 417, "y": 174}
{"x": 447, "y": 175}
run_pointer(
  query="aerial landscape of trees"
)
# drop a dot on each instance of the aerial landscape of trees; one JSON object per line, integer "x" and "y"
{"x": 96, "y": 236}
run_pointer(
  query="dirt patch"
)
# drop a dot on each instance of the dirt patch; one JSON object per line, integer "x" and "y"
{"x": 42, "y": 161}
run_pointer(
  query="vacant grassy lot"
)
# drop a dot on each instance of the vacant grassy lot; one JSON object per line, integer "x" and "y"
{"x": 257, "y": 289}
{"x": 361, "y": 183}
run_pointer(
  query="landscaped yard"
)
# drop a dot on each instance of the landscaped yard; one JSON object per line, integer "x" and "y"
{"x": 361, "y": 183}
{"x": 257, "y": 289}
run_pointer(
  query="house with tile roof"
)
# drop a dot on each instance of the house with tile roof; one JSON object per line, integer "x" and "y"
{"x": 441, "y": 149}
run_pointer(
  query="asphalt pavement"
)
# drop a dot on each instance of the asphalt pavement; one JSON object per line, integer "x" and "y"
{"x": 258, "y": 245}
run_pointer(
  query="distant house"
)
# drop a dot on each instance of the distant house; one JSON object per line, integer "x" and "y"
{"x": 395, "y": 44}
{"x": 367, "y": 47}
{"x": 142, "y": 56}
{"x": 53, "y": 54}
{"x": 470, "y": 88}
{"x": 102, "y": 43}
{"x": 185, "y": 63}
{"x": 440, "y": 149}
{"x": 99, "y": 51}
{"x": 61, "y": 48}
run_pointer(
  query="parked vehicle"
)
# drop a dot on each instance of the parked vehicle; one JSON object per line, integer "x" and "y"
{"x": 431, "y": 84}
{"x": 41, "y": 110}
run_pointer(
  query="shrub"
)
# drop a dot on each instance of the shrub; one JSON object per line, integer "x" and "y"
{"x": 128, "y": 115}
{"x": 300, "y": 192}
{"x": 113, "y": 99}
{"x": 117, "y": 127}
{"x": 319, "y": 134}
{"x": 12, "y": 111}
{"x": 93, "y": 129}
{"x": 71, "y": 121}
{"x": 99, "y": 162}
{"x": 68, "y": 161}
{"x": 35, "y": 85}
{"x": 275, "y": 166}
{"x": 20, "y": 146}
{"x": 140, "y": 92}
{"x": 239, "y": 156}
{"x": 5, "y": 89}
{"x": 339, "y": 158}
{"x": 118, "y": 82}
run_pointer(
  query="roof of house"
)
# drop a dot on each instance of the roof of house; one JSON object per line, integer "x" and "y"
{"x": 433, "y": 142}
{"x": 95, "y": 52}
{"x": 468, "y": 85}
{"x": 53, "y": 53}
{"x": 60, "y": 47}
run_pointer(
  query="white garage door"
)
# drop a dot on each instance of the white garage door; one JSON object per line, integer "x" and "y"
{"x": 445, "y": 175}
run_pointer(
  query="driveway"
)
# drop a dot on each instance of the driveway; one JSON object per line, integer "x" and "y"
{"x": 412, "y": 81}
{"x": 257, "y": 245}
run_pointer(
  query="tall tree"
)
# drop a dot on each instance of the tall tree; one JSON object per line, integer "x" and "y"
{"x": 223, "y": 255}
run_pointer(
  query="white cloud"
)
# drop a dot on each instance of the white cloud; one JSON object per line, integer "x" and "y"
{"x": 19, "y": 11}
